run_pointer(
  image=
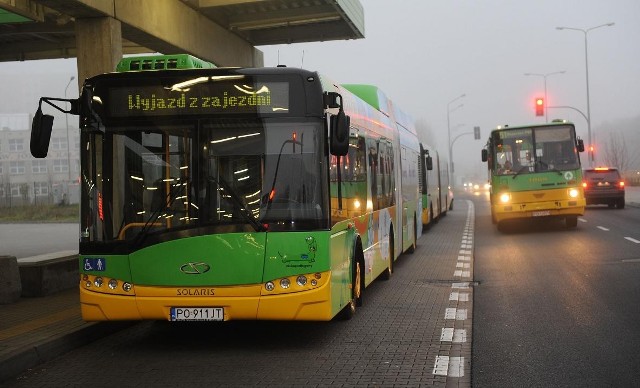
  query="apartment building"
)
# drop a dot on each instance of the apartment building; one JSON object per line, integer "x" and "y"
{"x": 25, "y": 180}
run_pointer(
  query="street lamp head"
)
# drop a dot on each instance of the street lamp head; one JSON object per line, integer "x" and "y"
{"x": 72, "y": 78}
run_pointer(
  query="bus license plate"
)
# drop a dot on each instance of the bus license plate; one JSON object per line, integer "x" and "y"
{"x": 541, "y": 213}
{"x": 196, "y": 314}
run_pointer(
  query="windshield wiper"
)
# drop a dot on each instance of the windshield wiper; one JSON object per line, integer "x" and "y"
{"x": 171, "y": 197}
{"x": 521, "y": 169}
{"x": 236, "y": 201}
{"x": 545, "y": 166}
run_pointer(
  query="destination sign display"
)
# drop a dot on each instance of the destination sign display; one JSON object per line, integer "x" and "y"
{"x": 201, "y": 96}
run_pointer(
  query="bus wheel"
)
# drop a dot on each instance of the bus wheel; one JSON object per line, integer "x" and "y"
{"x": 386, "y": 274}
{"x": 414, "y": 244}
{"x": 571, "y": 221}
{"x": 356, "y": 293}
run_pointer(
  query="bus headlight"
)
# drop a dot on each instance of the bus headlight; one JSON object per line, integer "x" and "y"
{"x": 285, "y": 283}
{"x": 113, "y": 284}
{"x": 573, "y": 193}
{"x": 505, "y": 197}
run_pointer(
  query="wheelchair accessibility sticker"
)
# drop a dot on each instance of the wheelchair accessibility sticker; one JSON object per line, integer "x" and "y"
{"x": 94, "y": 264}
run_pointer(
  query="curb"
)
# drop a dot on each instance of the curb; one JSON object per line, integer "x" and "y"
{"x": 31, "y": 356}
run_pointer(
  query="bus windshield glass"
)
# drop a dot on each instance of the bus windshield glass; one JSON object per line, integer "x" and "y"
{"x": 141, "y": 183}
{"x": 534, "y": 150}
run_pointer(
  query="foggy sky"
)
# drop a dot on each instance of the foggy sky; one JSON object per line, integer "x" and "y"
{"x": 424, "y": 54}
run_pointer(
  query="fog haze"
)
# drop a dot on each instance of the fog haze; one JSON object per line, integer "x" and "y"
{"x": 424, "y": 54}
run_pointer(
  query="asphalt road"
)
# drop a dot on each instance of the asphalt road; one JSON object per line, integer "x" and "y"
{"x": 557, "y": 307}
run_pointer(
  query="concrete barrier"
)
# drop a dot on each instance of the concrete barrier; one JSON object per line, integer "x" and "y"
{"x": 47, "y": 274}
{"x": 10, "y": 285}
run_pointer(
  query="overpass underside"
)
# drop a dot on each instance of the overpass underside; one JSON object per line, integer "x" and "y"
{"x": 225, "y": 32}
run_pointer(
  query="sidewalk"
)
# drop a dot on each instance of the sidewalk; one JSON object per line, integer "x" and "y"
{"x": 35, "y": 330}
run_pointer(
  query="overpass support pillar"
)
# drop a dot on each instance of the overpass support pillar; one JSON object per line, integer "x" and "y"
{"x": 99, "y": 46}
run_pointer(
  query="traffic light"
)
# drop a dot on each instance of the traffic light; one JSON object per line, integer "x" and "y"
{"x": 476, "y": 133}
{"x": 539, "y": 106}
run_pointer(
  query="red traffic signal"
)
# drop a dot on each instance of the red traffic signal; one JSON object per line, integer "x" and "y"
{"x": 539, "y": 106}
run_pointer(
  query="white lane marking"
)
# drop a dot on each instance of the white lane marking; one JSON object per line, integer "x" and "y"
{"x": 631, "y": 261}
{"x": 441, "y": 367}
{"x": 582, "y": 220}
{"x": 633, "y": 240}
{"x": 456, "y": 336}
{"x": 603, "y": 228}
{"x": 461, "y": 274}
{"x": 450, "y": 313}
{"x": 461, "y": 285}
{"x": 459, "y": 296}
{"x": 459, "y": 336}
{"x": 447, "y": 334}
{"x": 455, "y": 313}
{"x": 449, "y": 366}
{"x": 456, "y": 367}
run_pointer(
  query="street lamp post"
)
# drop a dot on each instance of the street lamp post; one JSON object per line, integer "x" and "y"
{"x": 449, "y": 110}
{"x": 546, "y": 116}
{"x": 66, "y": 118}
{"x": 586, "y": 64}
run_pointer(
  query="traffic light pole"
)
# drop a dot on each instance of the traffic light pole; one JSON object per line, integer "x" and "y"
{"x": 451, "y": 150}
{"x": 590, "y": 149}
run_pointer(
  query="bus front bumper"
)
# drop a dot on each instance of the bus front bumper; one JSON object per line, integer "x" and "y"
{"x": 239, "y": 303}
{"x": 560, "y": 208}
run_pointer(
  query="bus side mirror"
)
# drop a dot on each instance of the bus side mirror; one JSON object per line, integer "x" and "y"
{"x": 339, "y": 133}
{"x": 429, "y": 161}
{"x": 41, "y": 127}
{"x": 485, "y": 155}
{"x": 580, "y": 145}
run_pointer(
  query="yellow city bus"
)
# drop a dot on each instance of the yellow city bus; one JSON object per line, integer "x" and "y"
{"x": 535, "y": 173}
{"x": 222, "y": 194}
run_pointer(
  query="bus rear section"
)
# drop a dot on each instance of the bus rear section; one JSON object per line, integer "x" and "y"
{"x": 535, "y": 173}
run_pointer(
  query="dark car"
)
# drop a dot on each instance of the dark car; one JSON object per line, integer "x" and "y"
{"x": 603, "y": 186}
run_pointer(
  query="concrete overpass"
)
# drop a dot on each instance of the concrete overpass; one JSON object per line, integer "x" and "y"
{"x": 225, "y": 32}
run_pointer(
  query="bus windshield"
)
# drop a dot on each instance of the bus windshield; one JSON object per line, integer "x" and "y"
{"x": 534, "y": 150}
{"x": 201, "y": 176}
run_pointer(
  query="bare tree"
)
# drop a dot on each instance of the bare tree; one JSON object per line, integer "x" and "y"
{"x": 616, "y": 153}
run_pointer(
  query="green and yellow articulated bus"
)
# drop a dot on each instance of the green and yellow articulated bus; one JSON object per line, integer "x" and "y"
{"x": 223, "y": 194}
{"x": 535, "y": 173}
{"x": 437, "y": 197}
{"x": 401, "y": 167}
